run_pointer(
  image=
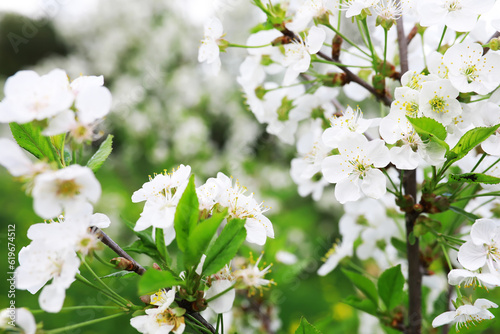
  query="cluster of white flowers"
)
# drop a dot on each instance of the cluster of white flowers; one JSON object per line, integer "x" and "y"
{"x": 479, "y": 256}
{"x": 163, "y": 192}
{"x": 74, "y": 107}
{"x": 52, "y": 255}
{"x": 481, "y": 261}
{"x": 162, "y": 318}
{"x": 69, "y": 189}
{"x": 221, "y": 193}
{"x": 355, "y": 167}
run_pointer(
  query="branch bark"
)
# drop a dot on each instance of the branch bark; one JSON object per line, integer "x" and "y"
{"x": 105, "y": 239}
{"x": 410, "y": 188}
{"x": 354, "y": 78}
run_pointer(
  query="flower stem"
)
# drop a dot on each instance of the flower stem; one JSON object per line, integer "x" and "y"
{"x": 248, "y": 46}
{"x": 88, "y": 283}
{"x": 220, "y": 293}
{"x": 98, "y": 279}
{"x": 345, "y": 38}
{"x": 196, "y": 324}
{"x": 442, "y": 37}
{"x": 338, "y": 64}
{"x": 100, "y": 259}
{"x": 84, "y": 307}
{"x": 67, "y": 329}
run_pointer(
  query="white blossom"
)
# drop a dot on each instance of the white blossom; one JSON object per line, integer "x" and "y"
{"x": 469, "y": 70}
{"x": 15, "y": 318}
{"x": 66, "y": 189}
{"x": 209, "y": 48}
{"x": 483, "y": 248}
{"x": 162, "y": 319}
{"x": 29, "y": 96}
{"x": 466, "y": 315}
{"x": 298, "y": 54}
{"x": 17, "y": 162}
{"x": 459, "y": 15}
{"x": 355, "y": 168}
{"x": 438, "y": 101}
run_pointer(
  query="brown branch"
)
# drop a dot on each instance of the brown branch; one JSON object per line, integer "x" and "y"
{"x": 413, "y": 32}
{"x": 350, "y": 75}
{"x": 410, "y": 188}
{"x": 105, "y": 239}
{"x": 354, "y": 78}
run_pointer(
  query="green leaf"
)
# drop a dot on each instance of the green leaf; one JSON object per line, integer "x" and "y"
{"x": 468, "y": 215}
{"x": 399, "y": 244}
{"x": 101, "y": 155}
{"x": 430, "y": 130}
{"x": 160, "y": 245}
{"x": 366, "y": 286}
{"x": 121, "y": 273}
{"x": 390, "y": 287}
{"x": 186, "y": 215}
{"x": 306, "y": 328}
{"x": 154, "y": 280}
{"x": 469, "y": 140}
{"x": 139, "y": 247}
{"x": 144, "y": 236}
{"x": 475, "y": 178}
{"x": 29, "y": 137}
{"x": 225, "y": 246}
{"x": 365, "y": 305}
{"x": 58, "y": 144}
{"x": 200, "y": 238}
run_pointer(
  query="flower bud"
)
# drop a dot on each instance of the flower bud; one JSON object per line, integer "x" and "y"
{"x": 122, "y": 263}
{"x": 494, "y": 44}
{"x": 336, "y": 46}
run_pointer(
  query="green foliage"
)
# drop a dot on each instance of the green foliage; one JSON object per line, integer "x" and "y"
{"x": 225, "y": 246}
{"x": 154, "y": 280}
{"x": 29, "y": 137}
{"x": 366, "y": 286}
{"x": 430, "y": 130}
{"x": 101, "y": 155}
{"x": 58, "y": 144}
{"x": 119, "y": 274}
{"x": 145, "y": 244}
{"x": 399, "y": 244}
{"x": 306, "y": 328}
{"x": 474, "y": 178}
{"x": 160, "y": 244}
{"x": 468, "y": 215}
{"x": 365, "y": 305}
{"x": 469, "y": 140}
{"x": 390, "y": 287}
{"x": 200, "y": 238}
{"x": 186, "y": 215}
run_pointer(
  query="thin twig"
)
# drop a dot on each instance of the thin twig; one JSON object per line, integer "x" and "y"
{"x": 354, "y": 78}
{"x": 350, "y": 75}
{"x": 105, "y": 239}
{"x": 413, "y": 32}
